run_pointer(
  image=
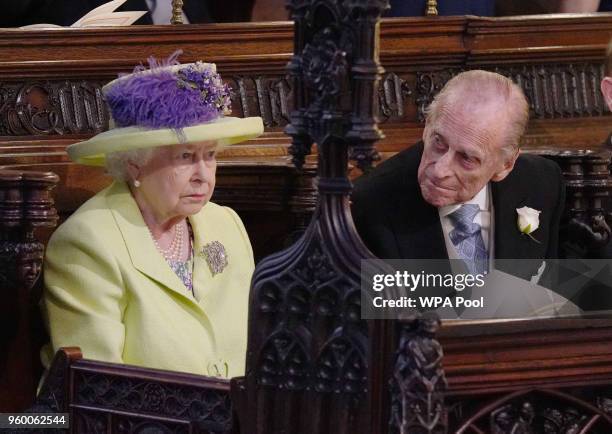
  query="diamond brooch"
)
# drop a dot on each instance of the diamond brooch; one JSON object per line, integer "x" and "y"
{"x": 216, "y": 256}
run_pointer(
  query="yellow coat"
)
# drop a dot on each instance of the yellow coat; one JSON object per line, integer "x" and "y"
{"x": 109, "y": 291}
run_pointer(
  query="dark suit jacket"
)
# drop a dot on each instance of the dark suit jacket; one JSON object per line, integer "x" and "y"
{"x": 395, "y": 222}
{"x": 66, "y": 12}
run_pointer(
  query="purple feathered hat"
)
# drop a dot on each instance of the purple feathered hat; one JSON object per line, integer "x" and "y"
{"x": 168, "y": 95}
{"x": 167, "y": 104}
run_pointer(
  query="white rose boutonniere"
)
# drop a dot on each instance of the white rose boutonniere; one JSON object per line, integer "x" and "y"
{"x": 528, "y": 220}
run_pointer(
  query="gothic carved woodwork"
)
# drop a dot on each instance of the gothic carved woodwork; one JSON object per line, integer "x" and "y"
{"x": 418, "y": 380}
{"x": 394, "y": 93}
{"x": 548, "y": 411}
{"x": 107, "y": 397}
{"x": 66, "y": 107}
{"x": 252, "y": 58}
{"x": 53, "y": 396}
{"x": 309, "y": 350}
{"x": 25, "y": 204}
{"x": 77, "y": 107}
{"x": 267, "y": 96}
{"x": 588, "y": 186}
{"x": 47, "y": 108}
{"x": 553, "y": 90}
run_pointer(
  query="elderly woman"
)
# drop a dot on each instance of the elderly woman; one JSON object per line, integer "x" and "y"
{"x": 149, "y": 272}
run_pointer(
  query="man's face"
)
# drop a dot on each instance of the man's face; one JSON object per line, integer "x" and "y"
{"x": 463, "y": 151}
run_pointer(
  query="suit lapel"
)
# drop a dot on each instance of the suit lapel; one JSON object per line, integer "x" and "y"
{"x": 424, "y": 240}
{"x": 140, "y": 246}
{"x": 509, "y": 242}
{"x": 511, "y": 246}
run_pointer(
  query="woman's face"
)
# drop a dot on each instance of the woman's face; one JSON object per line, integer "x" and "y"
{"x": 178, "y": 180}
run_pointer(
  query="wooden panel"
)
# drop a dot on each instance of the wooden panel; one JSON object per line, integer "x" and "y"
{"x": 112, "y": 398}
{"x": 510, "y": 355}
{"x": 529, "y": 374}
{"x": 48, "y": 79}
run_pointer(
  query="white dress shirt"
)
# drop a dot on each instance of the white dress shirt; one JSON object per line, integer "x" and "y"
{"x": 484, "y": 218}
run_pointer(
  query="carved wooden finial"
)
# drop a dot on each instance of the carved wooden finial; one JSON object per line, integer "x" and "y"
{"x": 432, "y": 8}
{"x": 177, "y": 12}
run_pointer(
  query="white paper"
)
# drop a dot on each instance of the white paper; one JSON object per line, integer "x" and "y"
{"x": 103, "y": 15}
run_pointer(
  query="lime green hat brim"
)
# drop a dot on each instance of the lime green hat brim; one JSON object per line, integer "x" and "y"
{"x": 224, "y": 131}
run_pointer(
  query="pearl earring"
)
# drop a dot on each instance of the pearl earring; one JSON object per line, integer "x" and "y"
{"x": 136, "y": 183}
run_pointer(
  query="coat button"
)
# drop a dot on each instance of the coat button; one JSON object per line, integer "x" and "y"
{"x": 218, "y": 369}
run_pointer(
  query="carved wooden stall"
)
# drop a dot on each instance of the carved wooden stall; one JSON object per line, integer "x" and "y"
{"x": 50, "y": 93}
{"x": 25, "y": 205}
{"x": 50, "y": 96}
{"x": 105, "y": 397}
{"x": 310, "y": 358}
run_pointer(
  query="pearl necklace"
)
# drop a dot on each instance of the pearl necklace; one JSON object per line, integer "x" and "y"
{"x": 175, "y": 249}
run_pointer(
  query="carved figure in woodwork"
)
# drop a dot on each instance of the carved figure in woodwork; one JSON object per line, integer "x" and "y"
{"x": 20, "y": 263}
{"x": 417, "y": 378}
{"x": 508, "y": 419}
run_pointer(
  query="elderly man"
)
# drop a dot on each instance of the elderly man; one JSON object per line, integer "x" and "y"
{"x": 456, "y": 194}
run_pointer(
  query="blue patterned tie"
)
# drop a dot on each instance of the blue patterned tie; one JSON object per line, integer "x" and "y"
{"x": 467, "y": 239}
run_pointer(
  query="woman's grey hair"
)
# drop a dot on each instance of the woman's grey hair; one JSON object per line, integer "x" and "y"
{"x": 117, "y": 162}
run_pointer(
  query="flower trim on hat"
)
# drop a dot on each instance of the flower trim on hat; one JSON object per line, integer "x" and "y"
{"x": 168, "y": 96}
{"x": 201, "y": 78}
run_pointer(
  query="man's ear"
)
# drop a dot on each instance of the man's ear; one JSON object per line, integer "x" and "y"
{"x": 606, "y": 89}
{"x": 506, "y": 168}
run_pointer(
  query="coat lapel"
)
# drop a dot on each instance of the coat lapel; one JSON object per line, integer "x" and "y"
{"x": 511, "y": 246}
{"x": 140, "y": 246}
{"x": 202, "y": 275}
{"x": 423, "y": 241}
{"x": 509, "y": 242}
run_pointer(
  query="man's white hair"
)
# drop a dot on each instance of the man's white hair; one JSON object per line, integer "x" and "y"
{"x": 486, "y": 87}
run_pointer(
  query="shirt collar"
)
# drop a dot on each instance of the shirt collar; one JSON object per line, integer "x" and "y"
{"x": 481, "y": 199}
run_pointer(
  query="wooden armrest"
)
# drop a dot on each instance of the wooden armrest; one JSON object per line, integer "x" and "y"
{"x": 115, "y": 397}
